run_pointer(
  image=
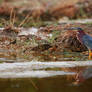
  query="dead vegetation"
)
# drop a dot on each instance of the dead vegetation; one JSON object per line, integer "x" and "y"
{"x": 47, "y": 9}
{"x": 50, "y": 48}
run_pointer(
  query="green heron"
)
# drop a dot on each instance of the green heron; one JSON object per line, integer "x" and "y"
{"x": 84, "y": 39}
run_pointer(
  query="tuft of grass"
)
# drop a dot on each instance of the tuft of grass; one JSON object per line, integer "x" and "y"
{"x": 13, "y": 20}
{"x": 89, "y": 23}
{"x": 82, "y": 13}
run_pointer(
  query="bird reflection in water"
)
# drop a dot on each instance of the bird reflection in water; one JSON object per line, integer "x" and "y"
{"x": 83, "y": 75}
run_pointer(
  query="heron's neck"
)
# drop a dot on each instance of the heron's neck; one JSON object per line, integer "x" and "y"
{"x": 80, "y": 35}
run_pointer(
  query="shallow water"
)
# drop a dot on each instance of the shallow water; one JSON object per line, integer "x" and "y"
{"x": 54, "y": 84}
{"x": 51, "y": 76}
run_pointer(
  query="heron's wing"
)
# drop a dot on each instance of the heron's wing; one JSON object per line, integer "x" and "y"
{"x": 87, "y": 40}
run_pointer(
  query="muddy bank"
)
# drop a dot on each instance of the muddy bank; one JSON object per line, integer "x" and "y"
{"x": 53, "y": 42}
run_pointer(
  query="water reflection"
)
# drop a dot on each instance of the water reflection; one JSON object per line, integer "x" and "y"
{"x": 51, "y": 84}
{"x": 46, "y": 77}
{"x": 83, "y": 75}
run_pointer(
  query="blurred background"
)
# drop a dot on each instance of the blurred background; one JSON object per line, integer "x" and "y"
{"x": 45, "y": 10}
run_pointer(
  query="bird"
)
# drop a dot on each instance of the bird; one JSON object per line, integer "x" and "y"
{"x": 84, "y": 39}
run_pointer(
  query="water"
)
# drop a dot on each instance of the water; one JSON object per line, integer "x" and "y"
{"x": 53, "y": 84}
{"x": 34, "y": 76}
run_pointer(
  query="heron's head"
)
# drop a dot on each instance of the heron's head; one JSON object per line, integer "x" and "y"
{"x": 75, "y": 29}
{"x": 78, "y": 30}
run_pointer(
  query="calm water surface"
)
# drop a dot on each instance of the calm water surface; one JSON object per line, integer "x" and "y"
{"x": 46, "y": 77}
{"x": 53, "y": 84}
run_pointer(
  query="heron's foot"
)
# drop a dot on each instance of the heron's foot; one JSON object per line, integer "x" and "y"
{"x": 90, "y": 55}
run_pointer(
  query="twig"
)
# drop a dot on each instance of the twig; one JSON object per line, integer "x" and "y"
{"x": 26, "y": 18}
{"x": 11, "y": 14}
{"x": 34, "y": 85}
{"x": 14, "y": 16}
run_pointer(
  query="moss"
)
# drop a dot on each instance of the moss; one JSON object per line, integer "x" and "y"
{"x": 55, "y": 34}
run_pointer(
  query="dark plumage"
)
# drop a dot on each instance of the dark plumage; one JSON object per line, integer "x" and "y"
{"x": 84, "y": 39}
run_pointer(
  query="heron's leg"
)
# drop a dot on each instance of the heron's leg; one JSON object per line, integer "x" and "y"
{"x": 90, "y": 54}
